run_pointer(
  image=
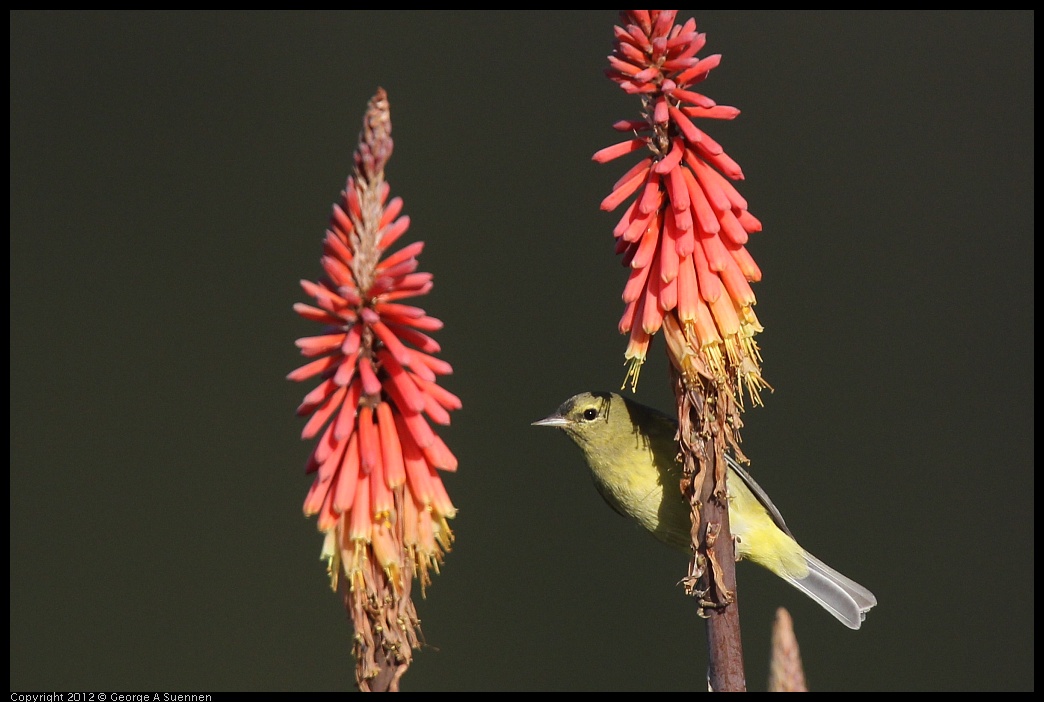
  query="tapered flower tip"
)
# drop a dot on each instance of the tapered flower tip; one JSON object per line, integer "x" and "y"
{"x": 375, "y": 142}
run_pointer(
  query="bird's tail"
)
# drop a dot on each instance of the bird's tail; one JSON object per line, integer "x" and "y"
{"x": 844, "y": 598}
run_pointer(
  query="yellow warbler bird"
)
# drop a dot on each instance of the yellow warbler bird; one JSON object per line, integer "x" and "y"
{"x": 632, "y": 453}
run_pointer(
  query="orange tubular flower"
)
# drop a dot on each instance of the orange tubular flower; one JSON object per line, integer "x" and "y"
{"x": 377, "y": 492}
{"x": 684, "y": 233}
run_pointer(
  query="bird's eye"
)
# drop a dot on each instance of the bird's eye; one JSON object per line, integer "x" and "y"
{"x": 590, "y": 413}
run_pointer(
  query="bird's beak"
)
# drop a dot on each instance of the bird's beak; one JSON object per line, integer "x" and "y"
{"x": 554, "y": 420}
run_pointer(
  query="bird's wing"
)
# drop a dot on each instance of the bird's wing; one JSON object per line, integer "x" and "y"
{"x": 759, "y": 493}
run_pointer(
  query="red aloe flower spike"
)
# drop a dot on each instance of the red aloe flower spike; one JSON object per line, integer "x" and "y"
{"x": 682, "y": 199}
{"x": 377, "y": 490}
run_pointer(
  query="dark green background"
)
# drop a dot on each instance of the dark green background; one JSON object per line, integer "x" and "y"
{"x": 171, "y": 178}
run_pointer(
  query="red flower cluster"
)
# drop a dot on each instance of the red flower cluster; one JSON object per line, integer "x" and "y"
{"x": 376, "y": 489}
{"x": 684, "y": 234}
